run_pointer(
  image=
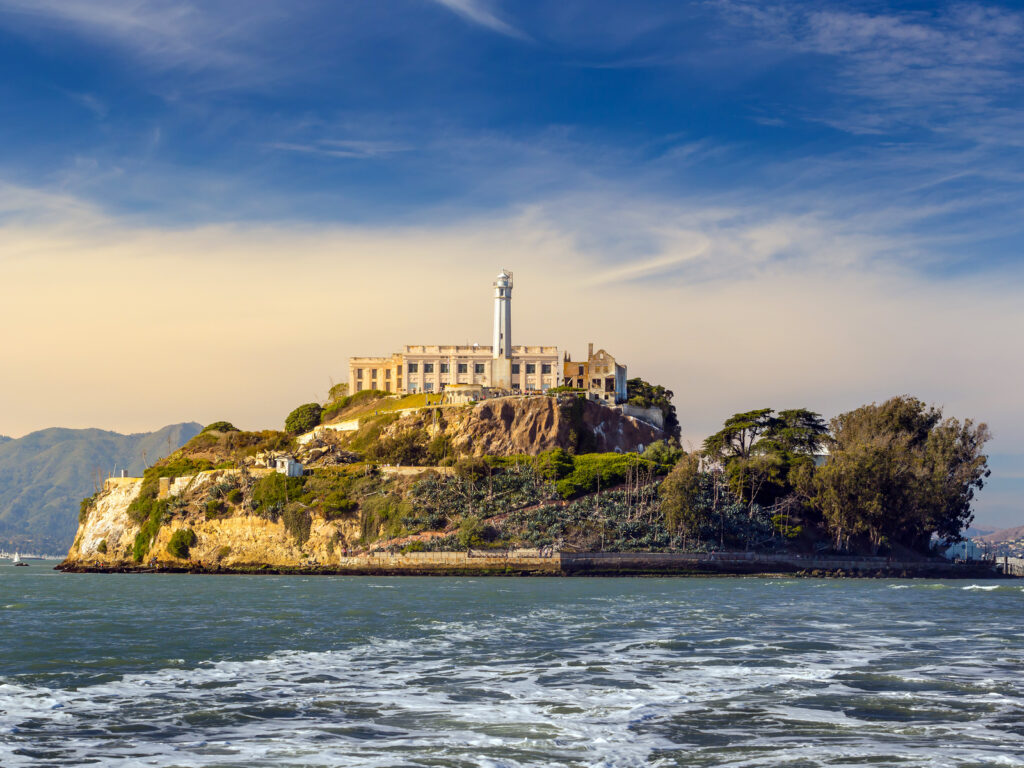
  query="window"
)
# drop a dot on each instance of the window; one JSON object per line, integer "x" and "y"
{"x": 531, "y": 368}
{"x": 428, "y": 387}
{"x": 463, "y": 368}
{"x": 478, "y": 368}
{"x": 579, "y": 372}
{"x": 444, "y": 367}
{"x": 428, "y": 367}
{"x": 387, "y": 374}
{"x": 359, "y": 373}
{"x": 373, "y": 374}
{"x": 515, "y": 368}
{"x": 413, "y": 367}
{"x": 545, "y": 368}
{"x": 359, "y": 386}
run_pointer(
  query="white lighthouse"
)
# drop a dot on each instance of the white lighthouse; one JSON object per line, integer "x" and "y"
{"x": 501, "y": 374}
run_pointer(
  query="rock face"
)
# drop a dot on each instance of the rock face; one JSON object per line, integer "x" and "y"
{"x": 107, "y": 535}
{"x": 531, "y": 425}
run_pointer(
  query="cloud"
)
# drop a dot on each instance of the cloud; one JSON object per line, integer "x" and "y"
{"x": 164, "y": 34}
{"x": 478, "y": 12}
{"x": 940, "y": 71}
{"x": 345, "y": 149}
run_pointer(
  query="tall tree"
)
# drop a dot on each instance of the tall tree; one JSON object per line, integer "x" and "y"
{"x": 643, "y": 394}
{"x": 898, "y": 473}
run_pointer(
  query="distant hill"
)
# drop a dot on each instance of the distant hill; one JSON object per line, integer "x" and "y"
{"x": 4, "y": 439}
{"x": 1006, "y": 534}
{"x": 44, "y": 475}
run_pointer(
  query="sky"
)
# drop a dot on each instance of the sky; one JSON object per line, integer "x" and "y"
{"x": 206, "y": 207}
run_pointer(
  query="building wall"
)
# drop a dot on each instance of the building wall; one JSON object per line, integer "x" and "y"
{"x": 429, "y": 368}
{"x": 600, "y": 374}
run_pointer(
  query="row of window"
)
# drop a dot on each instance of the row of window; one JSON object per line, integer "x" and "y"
{"x": 429, "y": 386}
{"x": 478, "y": 368}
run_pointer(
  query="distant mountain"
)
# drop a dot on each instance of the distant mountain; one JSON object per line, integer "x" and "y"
{"x": 5, "y": 439}
{"x": 44, "y": 475}
{"x": 1006, "y": 534}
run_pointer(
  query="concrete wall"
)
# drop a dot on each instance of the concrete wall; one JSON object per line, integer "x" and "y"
{"x": 650, "y": 415}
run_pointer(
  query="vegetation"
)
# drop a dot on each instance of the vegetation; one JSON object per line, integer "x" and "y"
{"x": 181, "y": 542}
{"x": 303, "y": 418}
{"x": 900, "y": 473}
{"x": 102, "y": 547}
{"x": 272, "y": 492}
{"x": 297, "y": 521}
{"x": 219, "y": 426}
{"x": 83, "y": 507}
{"x": 406, "y": 448}
{"x": 645, "y": 395}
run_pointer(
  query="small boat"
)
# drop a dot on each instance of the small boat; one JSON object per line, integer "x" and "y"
{"x": 17, "y": 560}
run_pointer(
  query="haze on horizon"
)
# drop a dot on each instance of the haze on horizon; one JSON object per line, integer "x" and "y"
{"x": 206, "y": 208}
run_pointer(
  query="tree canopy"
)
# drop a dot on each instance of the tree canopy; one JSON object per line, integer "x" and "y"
{"x": 900, "y": 473}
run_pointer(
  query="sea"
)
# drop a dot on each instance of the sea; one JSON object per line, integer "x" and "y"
{"x": 188, "y": 670}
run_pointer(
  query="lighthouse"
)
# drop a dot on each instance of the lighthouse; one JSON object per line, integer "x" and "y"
{"x": 501, "y": 373}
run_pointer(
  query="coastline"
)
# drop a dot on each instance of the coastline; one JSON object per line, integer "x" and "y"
{"x": 574, "y": 564}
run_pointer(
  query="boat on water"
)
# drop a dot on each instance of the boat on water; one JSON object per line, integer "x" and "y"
{"x": 17, "y": 560}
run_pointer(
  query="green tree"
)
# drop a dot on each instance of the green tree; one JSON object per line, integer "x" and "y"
{"x": 685, "y": 498}
{"x": 898, "y": 473}
{"x": 643, "y": 394}
{"x": 303, "y": 418}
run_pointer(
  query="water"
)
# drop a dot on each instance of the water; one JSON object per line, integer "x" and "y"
{"x": 177, "y": 670}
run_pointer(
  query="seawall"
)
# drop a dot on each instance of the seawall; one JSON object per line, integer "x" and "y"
{"x": 484, "y": 562}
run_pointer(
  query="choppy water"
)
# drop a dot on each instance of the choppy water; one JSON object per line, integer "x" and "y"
{"x": 175, "y": 670}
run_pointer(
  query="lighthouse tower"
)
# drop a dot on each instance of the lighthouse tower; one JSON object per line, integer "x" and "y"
{"x": 501, "y": 373}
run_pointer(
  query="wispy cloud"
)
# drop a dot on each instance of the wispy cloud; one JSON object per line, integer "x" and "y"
{"x": 948, "y": 71}
{"x": 478, "y": 12}
{"x": 164, "y": 34}
{"x": 343, "y": 148}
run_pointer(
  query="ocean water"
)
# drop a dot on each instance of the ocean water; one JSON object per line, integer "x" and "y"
{"x": 178, "y": 670}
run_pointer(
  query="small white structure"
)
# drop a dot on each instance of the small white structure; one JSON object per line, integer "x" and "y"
{"x": 288, "y": 466}
{"x": 964, "y": 550}
{"x": 461, "y": 394}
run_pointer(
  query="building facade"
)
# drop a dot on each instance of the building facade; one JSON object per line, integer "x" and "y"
{"x": 432, "y": 367}
{"x": 602, "y": 377}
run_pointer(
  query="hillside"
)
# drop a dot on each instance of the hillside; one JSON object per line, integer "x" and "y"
{"x": 44, "y": 475}
{"x": 1006, "y": 534}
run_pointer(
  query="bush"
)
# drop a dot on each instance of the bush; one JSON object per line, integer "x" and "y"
{"x": 337, "y": 504}
{"x": 406, "y": 448}
{"x": 415, "y": 546}
{"x": 439, "y": 449}
{"x": 83, "y": 507}
{"x": 213, "y": 508}
{"x": 381, "y": 516}
{"x": 219, "y": 426}
{"x": 150, "y": 528}
{"x": 102, "y": 547}
{"x": 303, "y": 418}
{"x": 297, "y": 521}
{"x": 235, "y": 496}
{"x": 663, "y": 453}
{"x": 271, "y": 492}
{"x": 554, "y": 464}
{"x": 600, "y": 470}
{"x": 471, "y": 532}
{"x": 223, "y": 552}
{"x": 471, "y": 469}
{"x": 181, "y": 542}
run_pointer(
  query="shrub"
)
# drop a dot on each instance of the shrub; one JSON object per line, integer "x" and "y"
{"x": 150, "y": 528}
{"x": 223, "y": 552}
{"x": 102, "y": 547}
{"x": 297, "y": 521}
{"x": 439, "y": 449}
{"x": 181, "y": 542}
{"x": 382, "y": 516}
{"x": 415, "y": 546}
{"x": 663, "y": 453}
{"x": 337, "y": 504}
{"x": 271, "y": 492}
{"x": 303, "y": 418}
{"x": 213, "y": 508}
{"x": 235, "y": 496}
{"x": 471, "y": 469}
{"x": 219, "y": 426}
{"x": 83, "y": 507}
{"x": 554, "y": 464}
{"x": 471, "y": 531}
{"x": 408, "y": 448}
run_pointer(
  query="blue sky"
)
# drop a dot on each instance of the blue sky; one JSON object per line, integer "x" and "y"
{"x": 754, "y": 166}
